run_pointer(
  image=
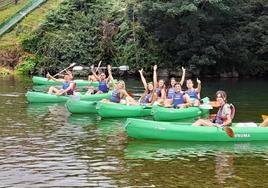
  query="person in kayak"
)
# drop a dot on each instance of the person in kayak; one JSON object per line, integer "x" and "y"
{"x": 171, "y": 89}
{"x": 119, "y": 94}
{"x": 194, "y": 93}
{"x": 149, "y": 96}
{"x": 159, "y": 86}
{"x": 68, "y": 87}
{"x": 225, "y": 113}
{"x": 103, "y": 81}
{"x": 91, "y": 77}
{"x": 180, "y": 99}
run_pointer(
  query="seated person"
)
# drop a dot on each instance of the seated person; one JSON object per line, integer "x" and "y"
{"x": 179, "y": 99}
{"x": 103, "y": 81}
{"x": 119, "y": 92}
{"x": 68, "y": 87}
{"x": 149, "y": 96}
{"x": 224, "y": 116}
{"x": 159, "y": 86}
{"x": 171, "y": 89}
{"x": 194, "y": 93}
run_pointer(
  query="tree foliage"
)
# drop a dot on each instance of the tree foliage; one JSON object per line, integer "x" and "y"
{"x": 213, "y": 35}
{"x": 224, "y": 33}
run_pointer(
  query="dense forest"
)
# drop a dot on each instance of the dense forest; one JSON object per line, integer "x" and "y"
{"x": 208, "y": 37}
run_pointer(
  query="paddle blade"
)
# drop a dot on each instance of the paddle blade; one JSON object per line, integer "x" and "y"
{"x": 124, "y": 68}
{"x": 78, "y": 68}
{"x": 205, "y": 100}
{"x": 73, "y": 64}
{"x": 229, "y": 131}
{"x": 264, "y": 117}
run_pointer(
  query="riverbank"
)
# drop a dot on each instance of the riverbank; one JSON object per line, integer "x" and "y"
{"x": 11, "y": 52}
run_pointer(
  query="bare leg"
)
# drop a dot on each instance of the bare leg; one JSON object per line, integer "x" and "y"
{"x": 196, "y": 103}
{"x": 99, "y": 92}
{"x": 131, "y": 101}
{"x": 105, "y": 100}
{"x": 52, "y": 90}
{"x": 264, "y": 123}
{"x": 203, "y": 122}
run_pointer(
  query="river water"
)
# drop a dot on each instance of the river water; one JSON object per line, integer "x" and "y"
{"x": 45, "y": 146}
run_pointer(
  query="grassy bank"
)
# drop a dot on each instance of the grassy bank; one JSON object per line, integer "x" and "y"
{"x": 11, "y": 10}
{"x": 27, "y": 25}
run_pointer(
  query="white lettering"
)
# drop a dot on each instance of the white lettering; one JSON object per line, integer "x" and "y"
{"x": 242, "y": 135}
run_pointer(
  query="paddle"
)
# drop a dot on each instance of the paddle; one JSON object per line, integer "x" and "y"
{"x": 98, "y": 66}
{"x": 122, "y": 68}
{"x": 73, "y": 64}
{"x": 229, "y": 131}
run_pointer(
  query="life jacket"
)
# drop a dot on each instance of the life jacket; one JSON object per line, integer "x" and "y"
{"x": 66, "y": 85}
{"x": 115, "y": 96}
{"x": 178, "y": 99}
{"x": 146, "y": 99}
{"x": 220, "y": 119}
{"x": 158, "y": 92}
{"x": 103, "y": 87}
{"x": 192, "y": 93}
{"x": 171, "y": 92}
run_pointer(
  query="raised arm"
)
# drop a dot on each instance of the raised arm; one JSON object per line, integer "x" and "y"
{"x": 55, "y": 79}
{"x": 143, "y": 79}
{"x": 198, "y": 89}
{"x": 94, "y": 73}
{"x": 111, "y": 76}
{"x": 155, "y": 76}
{"x": 183, "y": 76}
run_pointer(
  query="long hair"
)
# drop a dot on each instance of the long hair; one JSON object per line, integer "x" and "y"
{"x": 222, "y": 94}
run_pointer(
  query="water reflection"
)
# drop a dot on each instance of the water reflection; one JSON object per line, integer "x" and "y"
{"x": 43, "y": 145}
{"x": 161, "y": 150}
{"x": 224, "y": 166}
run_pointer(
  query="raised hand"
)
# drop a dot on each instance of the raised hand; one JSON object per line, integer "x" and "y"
{"x": 183, "y": 69}
{"x": 198, "y": 81}
{"x": 140, "y": 71}
{"x": 109, "y": 67}
{"x": 48, "y": 75}
{"x": 155, "y": 67}
{"x": 92, "y": 67}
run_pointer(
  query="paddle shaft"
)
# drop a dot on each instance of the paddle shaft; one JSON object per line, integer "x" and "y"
{"x": 73, "y": 64}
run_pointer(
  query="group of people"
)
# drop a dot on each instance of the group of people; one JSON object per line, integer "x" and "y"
{"x": 155, "y": 92}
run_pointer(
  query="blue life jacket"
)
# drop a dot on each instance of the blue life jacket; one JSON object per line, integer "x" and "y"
{"x": 65, "y": 85}
{"x": 103, "y": 87}
{"x": 192, "y": 93}
{"x": 115, "y": 96}
{"x": 171, "y": 92}
{"x": 178, "y": 99}
{"x": 158, "y": 92}
{"x": 146, "y": 99}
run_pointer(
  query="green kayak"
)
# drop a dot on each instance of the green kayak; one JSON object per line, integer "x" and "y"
{"x": 114, "y": 110}
{"x": 38, "y": 80}
{"x": 145, "y": 129}
{"x": 81, "y": 107}
{"x": 174, "y": 114}
{"x": 41, "y": 97}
